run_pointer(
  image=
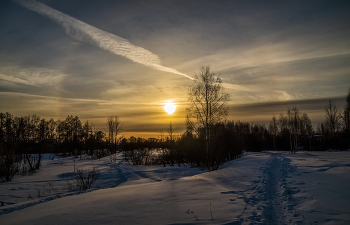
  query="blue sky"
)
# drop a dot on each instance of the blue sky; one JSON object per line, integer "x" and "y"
{"x": 98, "y": 58}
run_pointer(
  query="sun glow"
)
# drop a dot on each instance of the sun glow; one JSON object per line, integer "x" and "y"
{"x": 170, "y": 107}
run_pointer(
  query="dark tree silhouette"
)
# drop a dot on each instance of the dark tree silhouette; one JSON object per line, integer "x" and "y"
{"x": 208, "y": 106}
{"x": 114, "y": 127}
{"x": 171, "y": 131}
{"x": 273, "y": 128}
{"x": 307, "y": 129}
{"x": 346, "y": 114}
{"x": 333, "y": 118}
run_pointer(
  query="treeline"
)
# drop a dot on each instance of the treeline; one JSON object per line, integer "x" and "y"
{"x": 294, "y": 130}
{"x": 24, "y": 140}
{"x": 33, "y": 134}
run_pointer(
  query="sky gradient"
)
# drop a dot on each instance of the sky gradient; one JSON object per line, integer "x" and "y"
{"x": 95, "y": 59}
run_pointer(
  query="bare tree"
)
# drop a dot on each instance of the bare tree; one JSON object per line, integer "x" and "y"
{"x": 86, "y": 130}
{"x": 273, "y": 127}
{"x": 2, "y": 126}
{"x": 43, "y": 131}
{"x": 333, "y": 118}
{"x": 118, "y": 127}
{"x": 294, "y": 126}
{"x": 161, "y": 135}
{"x": 307, "y": 127}
{"x": 297, "y": 125}
{"x": 52, "y": 128}
{"x": 115, "y": 127}
{"x": 171, "y": 131}
{"x": 208, "y": 104}
{"x": 110, "y": 127}
{"x": 346, "y": 114}
{"x": 289, "y": 118}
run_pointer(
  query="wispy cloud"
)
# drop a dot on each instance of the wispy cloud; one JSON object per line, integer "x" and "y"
{"x": 271, "y": 54}
{"x": 236, "y": 87}
{"x": 51, "y": 97}
{"x": 314, "y": 107}
{"x": 31, "y": 76}
{"x": 14, "y": 79}
{"x": 102, "y": 39}
{"x": 261, "y": 96}
{"x": 77, "y": 100}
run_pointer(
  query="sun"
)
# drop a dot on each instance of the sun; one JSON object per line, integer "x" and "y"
{"x": 170, "y": 107}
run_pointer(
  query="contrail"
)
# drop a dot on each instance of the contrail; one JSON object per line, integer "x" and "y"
{"x": 102, "y": 39}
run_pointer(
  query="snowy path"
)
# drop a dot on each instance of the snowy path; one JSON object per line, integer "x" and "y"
{"x": 267, "y": 201}
{"x": 276, "y": 210}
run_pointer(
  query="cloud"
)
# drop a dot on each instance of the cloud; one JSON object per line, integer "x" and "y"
{"x": 263, "y": 112}
{"x": 31, "y": 76}
{"x": 282, "y": 66}
{"x": 147, "y": 95}
{"x": 50, "y": 97}
{"x": 267, "y": 53}
{"x": 261, "y": 96}
{"x": 236, "y": 87}
{"x": 102, "y": 39}
{"x": 14, "y": 79}
{"x": 78, "y": 100}
{"x": 276, "y": 107}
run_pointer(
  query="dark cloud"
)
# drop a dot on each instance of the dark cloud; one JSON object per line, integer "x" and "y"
{"x": 263, "y": 112}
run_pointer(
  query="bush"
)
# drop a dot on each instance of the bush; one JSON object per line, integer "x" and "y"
{"x": 140, "y": 156}
{"x": 8, "y": 163}
{"x": 86, "y": 178}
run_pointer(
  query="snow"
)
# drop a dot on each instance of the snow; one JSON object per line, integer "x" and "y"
{"x": 259, "y": 188}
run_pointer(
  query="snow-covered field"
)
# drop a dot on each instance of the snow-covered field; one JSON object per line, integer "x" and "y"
{"x": 260, "y": 188}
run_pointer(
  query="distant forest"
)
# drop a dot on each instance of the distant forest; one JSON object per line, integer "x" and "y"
{"x": 208, "y": 142}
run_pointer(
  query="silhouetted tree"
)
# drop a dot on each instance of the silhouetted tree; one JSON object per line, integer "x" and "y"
{"x": 2, "y": 127}
{"x": 118, "y": 128}
{"x": 114, "y": 127}
{"x": 8, "y": 161}
{"x": 273, "y": 128}
{"x": 86, "y": 131}
{"x": 346, "y": 114}
{"x": 208, "y": 106}
{"x": 110, "y": 127}
{"x": 43, "y": 131}
{"x": 52, "y": 128}
{"x": 307, "y": 128}
{"x": 295, "y": 127}
{"x": 171, "y": 131}
{"x": 332, "y": 118}
{"x": 170, "y": 144}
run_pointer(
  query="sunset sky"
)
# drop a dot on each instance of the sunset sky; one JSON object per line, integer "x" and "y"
{"x": 98, "y": 58}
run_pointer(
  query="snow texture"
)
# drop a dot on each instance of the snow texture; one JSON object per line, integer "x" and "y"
{"x": 260, "y": 188}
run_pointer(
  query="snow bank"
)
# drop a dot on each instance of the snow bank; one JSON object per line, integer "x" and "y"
{"x": 322, "y": 181}
{"x": 260, "y": 188}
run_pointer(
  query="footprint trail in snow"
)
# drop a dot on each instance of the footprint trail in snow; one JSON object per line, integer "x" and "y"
{"x": 270, "y": 200}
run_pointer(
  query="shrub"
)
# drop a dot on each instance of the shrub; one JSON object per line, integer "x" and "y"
{"x": 140, "y": 156}
{"x": 86, "y": 178}
{"x": 8, "y": 163}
